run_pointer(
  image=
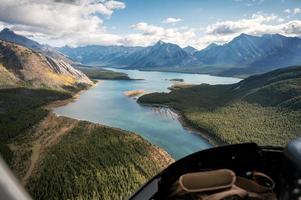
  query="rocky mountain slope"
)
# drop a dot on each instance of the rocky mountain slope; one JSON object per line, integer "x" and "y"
{"x": 97, "y": 54}
{"x": 162, "y": 55}
{"x": 23, "y": 66}
{"x": 190, "y": 50}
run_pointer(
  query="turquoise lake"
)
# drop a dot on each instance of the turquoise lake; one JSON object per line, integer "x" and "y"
{"x": 106, "y": 104}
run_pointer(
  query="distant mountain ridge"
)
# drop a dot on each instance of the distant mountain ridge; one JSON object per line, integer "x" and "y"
{"x": 97, "y": 54}
{"x": 190, "y": 50}
{"x": 253, "y": 54}
{"x": 162, "y": 55}
{"x": 244, "y": 55}
{"x": 159, "y": 55}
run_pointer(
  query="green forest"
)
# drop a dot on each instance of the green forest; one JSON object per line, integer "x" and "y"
{"x": 264, "y": 108}
{"x": 20, "y": 110}
{"x": 100, "y": 73}
{"x": 96, "y": 162}
{"x": 62, "y": 158}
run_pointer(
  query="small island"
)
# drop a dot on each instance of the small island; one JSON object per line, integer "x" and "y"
{"x": 177, "y": 79}
{"x": 133, "y": 93}
{"x": 179, "y": 86}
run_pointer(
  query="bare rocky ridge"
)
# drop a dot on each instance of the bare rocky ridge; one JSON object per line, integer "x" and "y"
{"x": 23, "y": 65}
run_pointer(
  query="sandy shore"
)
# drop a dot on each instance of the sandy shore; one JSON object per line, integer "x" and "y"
{"x": 133, "y": 93}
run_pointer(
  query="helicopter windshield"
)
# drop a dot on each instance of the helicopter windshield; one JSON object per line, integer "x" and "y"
{"x": 101, "y": 99}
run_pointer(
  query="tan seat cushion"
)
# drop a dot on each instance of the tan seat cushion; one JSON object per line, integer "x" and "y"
{"x": 207, "y": 181}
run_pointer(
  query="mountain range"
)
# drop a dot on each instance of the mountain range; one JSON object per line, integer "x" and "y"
{"x": 253, "y": 54}
{"x": 159, "y": 55}
{"x": 244, "y": 55}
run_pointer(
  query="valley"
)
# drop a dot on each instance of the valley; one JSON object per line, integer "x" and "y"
{"x": 150, "y": 100}
{"x": 97, "y": 122}
{"x": 36, "y": 144}
{"x": 106, "y": 103}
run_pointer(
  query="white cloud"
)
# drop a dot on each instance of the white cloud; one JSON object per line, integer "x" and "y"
{"x": 79, "y": 22}
{"x": 230, "y": 27}
{"x": 150, "y": 34}
{"x": 2, "y": 26}
{"x": 52, "y": 20}
{"x": 280, "y": 19}
{"x": 114, "y": 5}
{"x": 292, "y": 28}
{"x": 172, "y": 20}
{"x": 287, "y": 11}
{"x": 259, "y": 24}
{"x": 148, "y": 29}
{"x": 297, "y": 11}
{"x": 293, "y": 11}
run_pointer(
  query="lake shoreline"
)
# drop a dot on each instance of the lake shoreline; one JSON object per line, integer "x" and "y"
{"x": 74, "y": 97}
{"x": 203, "y": 133}
{"x": 186, "y": 124}
{"x": 50, "y": 107}
{"x": 54, "y": 140}
{"x": 107, "y": 104}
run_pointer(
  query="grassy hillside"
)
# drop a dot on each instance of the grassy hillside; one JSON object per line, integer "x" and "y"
{"x": 265, "y": 108}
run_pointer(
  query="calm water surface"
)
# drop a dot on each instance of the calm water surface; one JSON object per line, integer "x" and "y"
{"x": 107, "y": 104}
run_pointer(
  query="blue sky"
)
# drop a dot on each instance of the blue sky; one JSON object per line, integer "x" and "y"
{"x": 143, "y": 22}
{"x": 195, "y": 13}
